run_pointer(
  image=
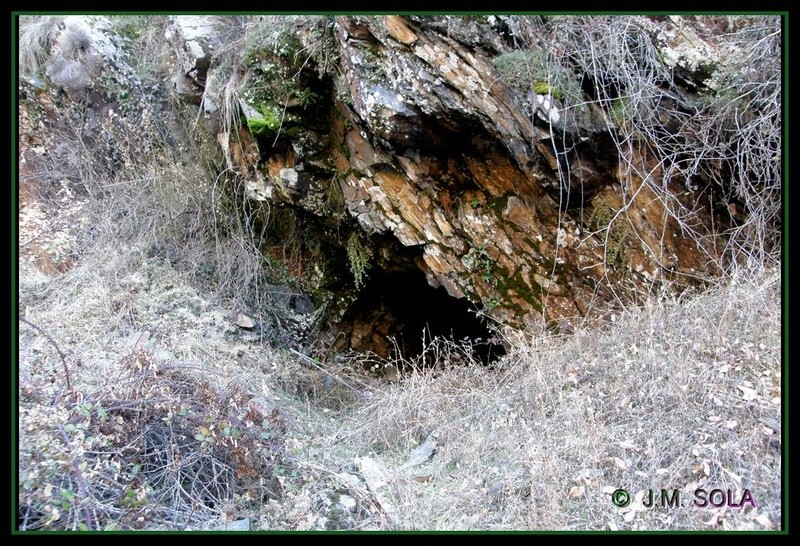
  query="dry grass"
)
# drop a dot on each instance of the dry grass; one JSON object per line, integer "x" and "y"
{"x": 142, "y": 177}
{"x": 141, "y": 348}
{"x": 145, "y": 347}
{"x": 119, "y": 215}
{"x": 157, "y": 447}
{"x": 158, "y": 259}
{"x": 37, "y": 34}
{"x": 677, "y": 395}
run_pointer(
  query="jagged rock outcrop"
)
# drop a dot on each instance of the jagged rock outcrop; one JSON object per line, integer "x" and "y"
{"x": 511, "y": 200}
{"x": 194, "y": 40}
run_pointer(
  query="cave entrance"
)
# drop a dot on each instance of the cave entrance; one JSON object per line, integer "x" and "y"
{"x": 399, "y": 312}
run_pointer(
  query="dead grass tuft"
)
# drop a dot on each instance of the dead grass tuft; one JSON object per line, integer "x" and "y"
{"x": 37, "y": 34}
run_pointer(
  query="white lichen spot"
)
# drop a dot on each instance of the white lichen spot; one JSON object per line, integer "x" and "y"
{"x": 546, "y": 109}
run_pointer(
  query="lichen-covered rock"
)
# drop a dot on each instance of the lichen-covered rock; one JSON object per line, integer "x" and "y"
{"x": 87, "y": 83}
{"x": 194, "y": 40}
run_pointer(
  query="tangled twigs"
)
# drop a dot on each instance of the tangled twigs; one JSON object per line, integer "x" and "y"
{"x": 61, "y": 353}
{"x": 82, "y": 488}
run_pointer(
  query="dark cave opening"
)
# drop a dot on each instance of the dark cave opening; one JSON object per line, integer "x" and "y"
{"x": 399, "y": 312}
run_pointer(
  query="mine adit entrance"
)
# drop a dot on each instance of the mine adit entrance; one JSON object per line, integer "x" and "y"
{"x": 396, "y": 313}
{"x": 399, "y": 314}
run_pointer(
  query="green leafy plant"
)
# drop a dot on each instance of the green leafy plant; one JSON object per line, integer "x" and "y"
{"x": 493, "y": 302}
{"x": 358, "y": 256}
{"x": 306, "y": 97}
{"x": 477, "y": 259}
{"x": 268, "y": 125}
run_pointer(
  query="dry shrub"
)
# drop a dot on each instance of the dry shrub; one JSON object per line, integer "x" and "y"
{"x": 712, "y": 125}
{"x": 158, "y": 448}
{"x": 150, "y": 177}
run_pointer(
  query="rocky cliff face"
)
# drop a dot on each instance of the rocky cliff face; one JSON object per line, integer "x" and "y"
{"x": 425, "y": 159}
{"x": 401, "y": 164}
{"x": 418, "y": 153}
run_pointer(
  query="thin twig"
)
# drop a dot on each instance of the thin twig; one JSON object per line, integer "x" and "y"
{"x": 310, "y": 361}
{"x": 61, "y": 353}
